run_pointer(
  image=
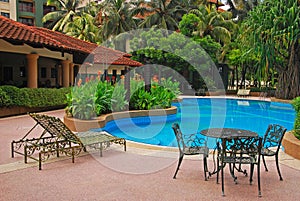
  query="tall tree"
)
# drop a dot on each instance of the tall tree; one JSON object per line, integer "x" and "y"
{"x": 164, "y": 14}
{"x": 218, "y": 25}
{"x": 58, "y": 19}
{"x": 114, "y": 18}
{"x": 275, "y": 26}
{"x": 83, "y": 27}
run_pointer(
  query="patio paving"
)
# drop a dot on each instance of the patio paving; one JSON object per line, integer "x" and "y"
{"x": 141, "y": 173}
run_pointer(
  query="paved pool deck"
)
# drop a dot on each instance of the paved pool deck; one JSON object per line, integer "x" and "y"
{"x": 141, "y": 173}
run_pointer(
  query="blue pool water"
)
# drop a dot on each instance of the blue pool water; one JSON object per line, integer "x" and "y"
{"x": 195, "y": 114}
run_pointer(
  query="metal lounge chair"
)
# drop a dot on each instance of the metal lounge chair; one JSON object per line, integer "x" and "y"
{"x": 190, "y": 145}
{"x": 273, "y": 138}
{"x": 57, "y": 139}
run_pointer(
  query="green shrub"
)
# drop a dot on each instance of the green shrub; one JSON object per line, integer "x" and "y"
{"x": 104, "y": 98}
{"x": 4, "y": 99}
{"x": 159, "y": 97}
{"x": 95, "y": 98}
{"x": 296, "y": 105}
{"x": 171, "y": 85}
{"x": 141, "y": 100}
{"x": 44, "y": 97}
{"x": 16, "y": 96}
{"x": 37, "y": 97}
{"x": 118, "y": 101}
{"x": 81, "y": 101}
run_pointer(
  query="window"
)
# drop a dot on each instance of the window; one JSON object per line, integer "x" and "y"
{"x": 27, "y": 21}
{"x": 26, "y": 7}
{"x": 5, "y": 14}
{"x": 48, "y": 9}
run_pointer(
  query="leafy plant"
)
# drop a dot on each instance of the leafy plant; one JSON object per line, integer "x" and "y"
{"x": 104, "y": 98}
{"x": 81, "y": 101}
{"x": 171, "y": 85}
{"x": 141, "y": 100}
{"x": 296, "y": 105}
{"x": 118, "y": 100}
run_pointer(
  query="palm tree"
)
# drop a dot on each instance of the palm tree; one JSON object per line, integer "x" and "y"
{"x": 218, "y": 25}
{"x": 83, "y": 27}
{"x": 58, "y": 19}
{"x": 164, "y": 14}
{"x": 114, "y": 18}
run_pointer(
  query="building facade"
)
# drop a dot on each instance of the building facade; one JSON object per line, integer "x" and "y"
{"x": 29, "y": 12}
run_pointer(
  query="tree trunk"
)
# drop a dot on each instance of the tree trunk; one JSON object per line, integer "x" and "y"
{"x": 288, "y": 81}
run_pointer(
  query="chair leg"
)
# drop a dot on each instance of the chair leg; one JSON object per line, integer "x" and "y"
{"x": 222, "y": 178}
{"x": 251, "y": 173}
{"x": 277, "y": 165}
{"x": 179, "y": 163}
{"x": 264, "y": 163}
{"x": 205, "y": 167}
{"x": 218, "y": 170}
{"x": 258, "y": 180}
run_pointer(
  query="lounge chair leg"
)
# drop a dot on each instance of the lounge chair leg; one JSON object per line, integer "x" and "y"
{"x": 73, "y": 155}
{"x": 101, "y": 147}
{"x": 125, "y": 148}
{"x": 25, "y": 154}
{"x": 12, "y": 149}
{"x": 40, "y": 161}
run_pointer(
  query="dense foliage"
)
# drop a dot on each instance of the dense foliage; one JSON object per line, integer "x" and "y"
{"x": 296, "y": 105}
{"x": 38, "y": 97}
{"x": 96, "y": 97}
{"x": 273, "y": 33}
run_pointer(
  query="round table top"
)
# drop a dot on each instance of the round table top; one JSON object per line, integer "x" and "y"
{"x": 228, "y": 133}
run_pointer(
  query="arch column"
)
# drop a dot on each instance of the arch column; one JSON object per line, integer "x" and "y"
{"x": 71, "y": 73}
{"x": 32, "y": 67}
{"x": 66, "y": 73}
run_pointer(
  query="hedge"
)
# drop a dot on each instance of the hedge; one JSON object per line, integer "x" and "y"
{"x": 28, "y": 97}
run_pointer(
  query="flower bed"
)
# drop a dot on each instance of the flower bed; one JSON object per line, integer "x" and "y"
{"x": 78, "y": 125}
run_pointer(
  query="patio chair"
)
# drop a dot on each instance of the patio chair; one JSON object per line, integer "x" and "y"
{"x": 236, "y": 152}
{"x": 190, "y": 145}
{"x": 57, "y": 139}
{"x": 272, "y": 139}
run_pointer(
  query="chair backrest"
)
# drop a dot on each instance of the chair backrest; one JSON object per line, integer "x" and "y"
{"x": 274, "y": 136}
{"x": 55, "y": 127}
{"x": 179, "y": 136}
{"x": 242, "y": 149}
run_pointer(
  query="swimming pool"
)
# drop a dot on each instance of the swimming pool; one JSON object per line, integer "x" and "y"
{"x": 195, "y": 114}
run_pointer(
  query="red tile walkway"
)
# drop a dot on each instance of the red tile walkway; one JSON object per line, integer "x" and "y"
{"x": 137, "y": 174}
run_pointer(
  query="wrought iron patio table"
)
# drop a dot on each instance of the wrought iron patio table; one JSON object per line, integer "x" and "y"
{"x": 226, "y": 134}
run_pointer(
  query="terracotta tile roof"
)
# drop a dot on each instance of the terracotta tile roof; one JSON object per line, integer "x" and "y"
{"x": 16, "y": 32}
{"x": 107, "y": 56}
